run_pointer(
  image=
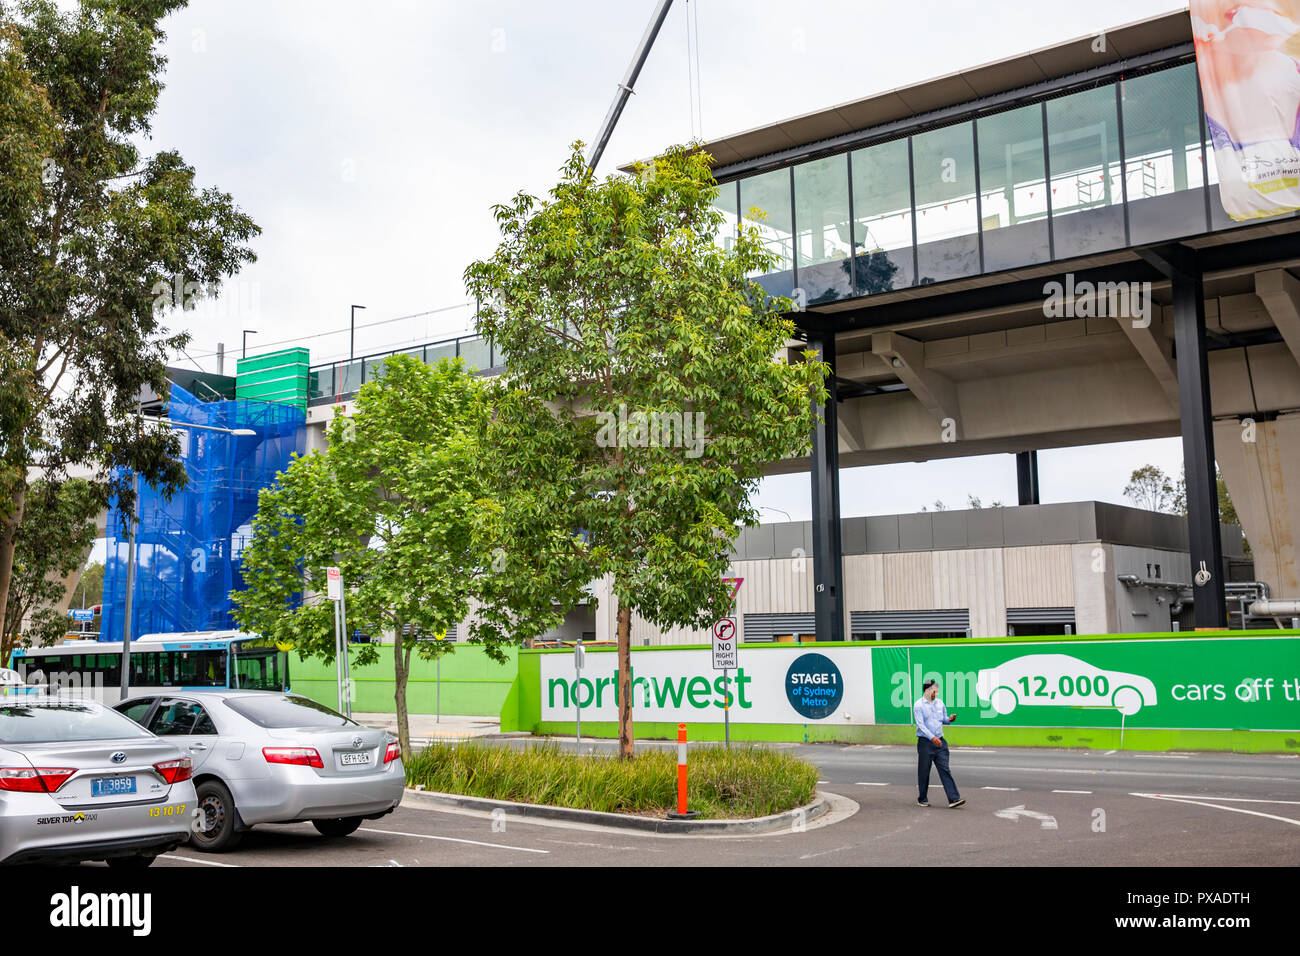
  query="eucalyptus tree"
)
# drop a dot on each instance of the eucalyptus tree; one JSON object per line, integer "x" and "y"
{"x": 647, "y": 390}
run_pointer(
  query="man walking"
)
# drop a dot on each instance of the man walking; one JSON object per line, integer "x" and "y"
{"x": 931, "y": 715}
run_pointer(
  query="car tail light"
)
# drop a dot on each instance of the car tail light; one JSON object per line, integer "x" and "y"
{"x": 301, "y": 756}
{"x": 34, "y": 779}
{"x": 394, "y": 752}
{"x": 174, "y": 771}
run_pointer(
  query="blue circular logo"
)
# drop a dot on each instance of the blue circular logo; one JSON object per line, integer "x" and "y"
{"x": 814, "y": 686}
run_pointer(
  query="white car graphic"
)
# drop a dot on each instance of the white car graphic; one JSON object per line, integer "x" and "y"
{"x": 1058, "y": 680}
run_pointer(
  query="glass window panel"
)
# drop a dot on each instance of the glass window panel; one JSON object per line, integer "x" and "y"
{"x": 1013, "y": 188}
{"x": 321, "y": 383}
{"x": 765, "y": 203}
{"x": 374, "y": 369}
{"x": 882, "y": 217}
{"x": 947, "y": 223}
{"x": 1087, "y": 194}
{"x": 821, "y": 205}
{"x": 433, "y": 353}
{"x": 476, "y": 353}
{"x": 348, "y": 378}
{"x": 726, "y": 204}
{"x": 1163, "y": 167}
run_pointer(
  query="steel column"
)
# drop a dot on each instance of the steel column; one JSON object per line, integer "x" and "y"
{"x": 1027, "y": 477}
{"x": 1211, "y": 609}
{"x": 828, "y": 561}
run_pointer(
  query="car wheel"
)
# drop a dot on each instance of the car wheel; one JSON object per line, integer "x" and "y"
{"x": 1003, "y": 700}
{"x": 130, "y": 862}
{"x": 338, "y": 827}
{"x": 214, "y": 831}
{"x": 1127, "y": 700}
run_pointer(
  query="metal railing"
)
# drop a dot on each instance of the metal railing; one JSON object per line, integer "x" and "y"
{"x": 335, "y": 381}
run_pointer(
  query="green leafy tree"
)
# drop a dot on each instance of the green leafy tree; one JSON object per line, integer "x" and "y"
{"x": 90, "y": 589}
{"x": 1150, "y": 488}
{"x": 1227, "y": 510}
{"x": 647, "y": 391}
{"x": 54, "y": 541}
{"x": 390, "y": 502}
{"x": 93, "y": 235}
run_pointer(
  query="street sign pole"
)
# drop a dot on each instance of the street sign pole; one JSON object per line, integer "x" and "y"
{"x": 726, "y": 654}
{"x": 726, "y": 706}
{"x": 347, "y": 663}
{"x": 578, "y": 655}
{"x": 334, "y": 591}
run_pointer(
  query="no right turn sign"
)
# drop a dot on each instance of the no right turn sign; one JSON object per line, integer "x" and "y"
{"x": 725, "y": 641}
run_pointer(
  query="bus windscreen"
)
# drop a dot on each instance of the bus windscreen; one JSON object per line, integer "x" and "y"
{"x": 259, "y": 665}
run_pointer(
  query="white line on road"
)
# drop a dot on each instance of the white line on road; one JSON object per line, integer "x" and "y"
{"x": 1108, "y": 753}
{"x": 429, "y": 836}
{"x": 867, "y": 783}
{"x": 1071, "y": 791}
{"x": 190, "y": 859}
{"x": 1216, "y": 806}
{"x": 1185, "y": 796}
{"x": 999, "y": 788}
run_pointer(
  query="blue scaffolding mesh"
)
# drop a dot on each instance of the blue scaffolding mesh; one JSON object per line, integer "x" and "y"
{"x": 188, "y": 549}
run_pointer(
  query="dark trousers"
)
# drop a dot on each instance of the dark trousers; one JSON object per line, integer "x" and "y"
{"x": 927, "y": 753}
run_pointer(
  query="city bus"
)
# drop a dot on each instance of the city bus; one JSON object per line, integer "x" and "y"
{"x": 176, "y": 661}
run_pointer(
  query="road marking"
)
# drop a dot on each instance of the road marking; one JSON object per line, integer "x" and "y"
{"x": 1172, "y": 756}
{"x": 1046, "y": 821}
{"x": 429, "y": 836}
{"x": 190, "y": 859}
{"x": 1184, "y": 796}
{"x": 823, "y": 781}
{"x": 1108, "y": 753}
{"x": 1071, "y": 791}
{"x": 867, "y": 783}
{"x": 1216, "y": 806}
{"x": 999, "y": 788}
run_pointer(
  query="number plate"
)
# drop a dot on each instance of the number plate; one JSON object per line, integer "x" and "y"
{"x": 111, "y": 786}
{"x": 350, "y": 760}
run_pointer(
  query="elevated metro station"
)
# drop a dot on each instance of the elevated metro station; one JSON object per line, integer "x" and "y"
{"x": 1035, "y": 254}
{"x": 1026, "y": 255}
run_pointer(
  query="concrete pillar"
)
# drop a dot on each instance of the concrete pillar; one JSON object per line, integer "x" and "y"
{"x": 1260, "y": 463}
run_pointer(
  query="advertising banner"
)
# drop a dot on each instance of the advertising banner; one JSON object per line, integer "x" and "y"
{"x": 1219, "y": 683}
{"x": 770, "y": 685}
{"x": 1246, "y": 57}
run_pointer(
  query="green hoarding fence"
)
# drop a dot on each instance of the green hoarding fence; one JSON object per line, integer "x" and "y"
{"x": 472, "y": 683}
{"x": 1223, "y": 691}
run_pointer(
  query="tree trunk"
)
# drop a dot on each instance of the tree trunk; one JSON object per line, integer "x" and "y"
{"x": 625, "y": 738}
{"x": 8, "y": 541}
{"x": 401, "y": 665}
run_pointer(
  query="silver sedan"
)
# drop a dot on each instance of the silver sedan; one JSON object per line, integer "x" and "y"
{"x": 267, "y": 757}
{"x": 79, "y": 782}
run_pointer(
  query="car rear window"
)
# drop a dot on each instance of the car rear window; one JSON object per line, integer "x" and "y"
{"x": 32, "y": 722}
{"x": 291, "y": 711}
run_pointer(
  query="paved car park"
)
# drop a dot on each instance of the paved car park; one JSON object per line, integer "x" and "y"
{"x": 1025, "y": 807}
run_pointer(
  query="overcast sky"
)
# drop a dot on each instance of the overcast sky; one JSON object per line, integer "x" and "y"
{"x": 369, "y": 141}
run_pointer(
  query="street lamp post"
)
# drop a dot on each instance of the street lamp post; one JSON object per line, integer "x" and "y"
{"x": 243, "y": 351}
{"x": 130, "y": 549}
{"x": 352, "y": 340}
